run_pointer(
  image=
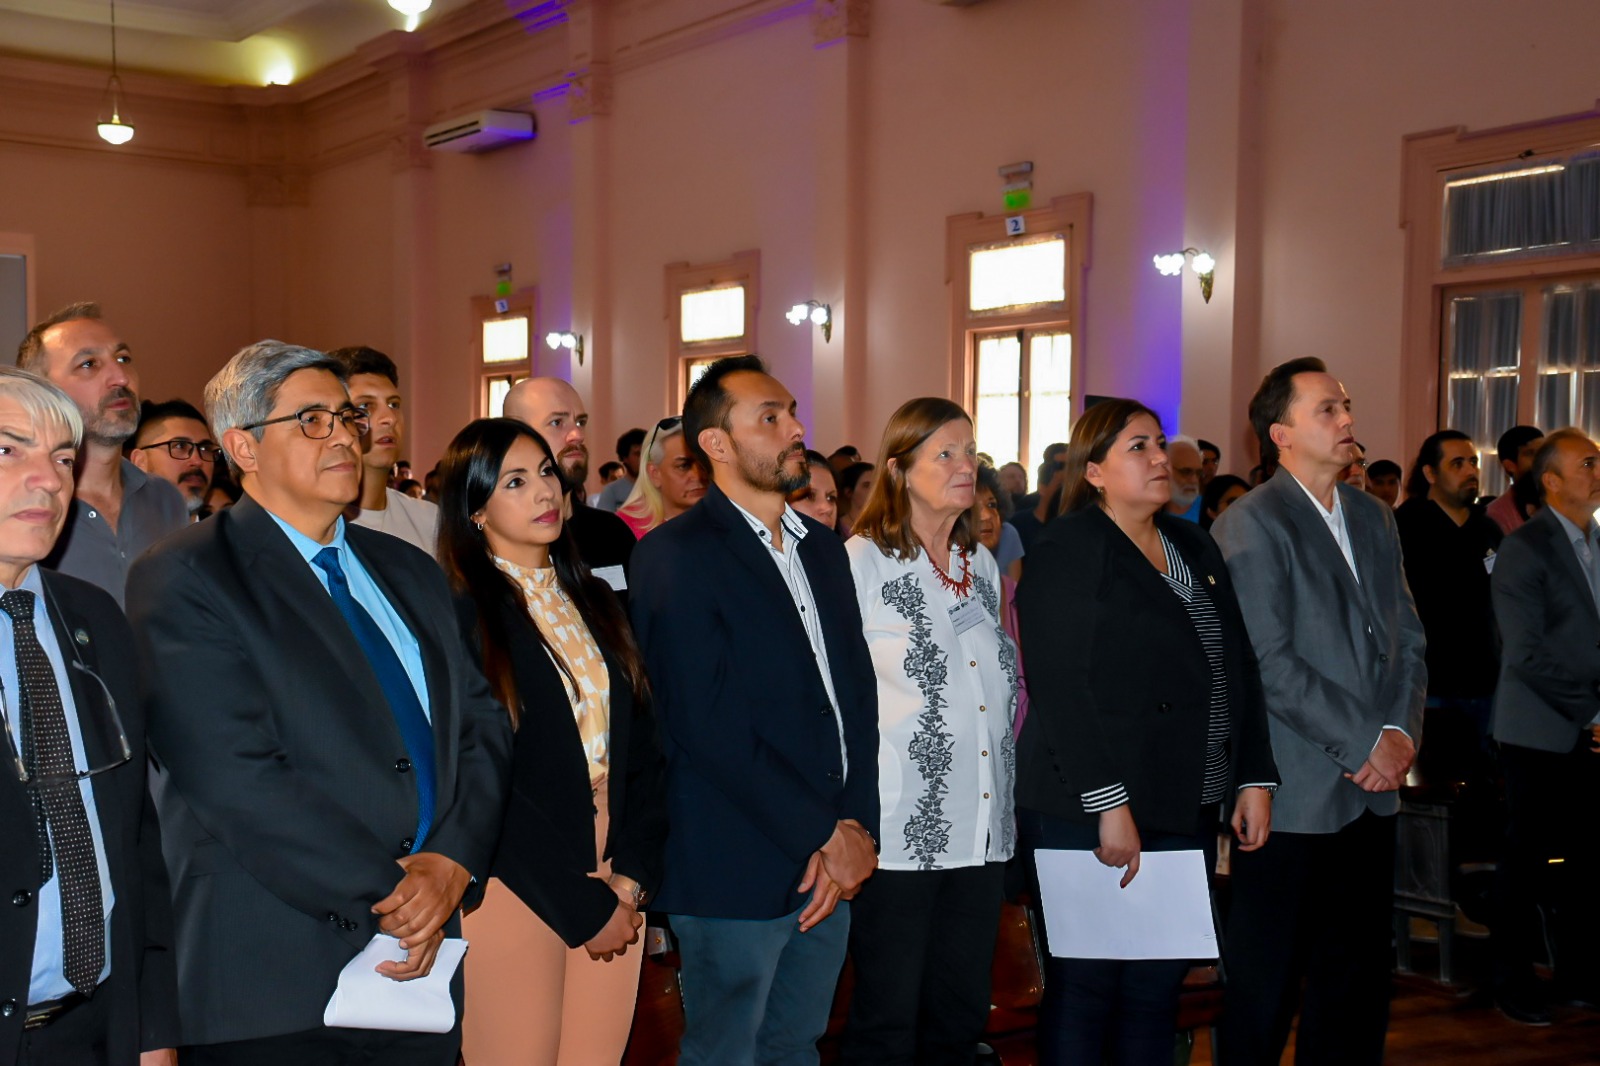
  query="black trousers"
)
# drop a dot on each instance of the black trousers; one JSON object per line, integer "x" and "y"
{"x": 922, "y": 945}
{"x": 1314, "y": 907}
{"x": 1552, "y": 800}
{"x": 331, "y": 1047}
{"x": 77, "y": 1038}
{"x": 1119, "y": 1011}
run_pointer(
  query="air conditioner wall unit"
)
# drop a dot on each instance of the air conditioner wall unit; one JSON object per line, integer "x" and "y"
{"x": 480, "y": 131}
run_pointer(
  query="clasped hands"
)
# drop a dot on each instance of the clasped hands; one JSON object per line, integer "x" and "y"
{"x": 416, "y": 911}
{"x": 622, "y": 928}
{"x": 1386, "y": 767}
{"x": 837, "y": 870}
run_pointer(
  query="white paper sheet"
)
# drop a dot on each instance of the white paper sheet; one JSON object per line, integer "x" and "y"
{"x": 1164, "y": 913}
{"x": 366, "y": 999}
{"x": 614, "y": 576}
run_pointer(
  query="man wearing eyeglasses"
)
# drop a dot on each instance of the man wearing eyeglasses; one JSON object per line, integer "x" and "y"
{"x": 173, "y": 443}
{"x": 119, "y": 510}
{"x": 85, "y": 974}
{"x": 332, "y": 766}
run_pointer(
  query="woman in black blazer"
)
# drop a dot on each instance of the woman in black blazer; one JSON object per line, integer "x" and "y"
{"x": 1145, "y": 718}
{"x": 551, "y": 975}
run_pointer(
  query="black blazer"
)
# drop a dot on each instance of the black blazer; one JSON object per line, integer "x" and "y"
{"x": 1118, "y": 684}
{"x": 546, "y": 849}
{"x": 285, "y": 791}
{"x": 90, "y": 629}
{"x": 755, "y": 783}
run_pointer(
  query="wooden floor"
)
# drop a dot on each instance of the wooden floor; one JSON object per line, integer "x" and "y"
{"x": 1430, "y": 1026}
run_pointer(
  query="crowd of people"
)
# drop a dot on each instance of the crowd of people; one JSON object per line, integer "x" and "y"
{"x": 264, "y": 703}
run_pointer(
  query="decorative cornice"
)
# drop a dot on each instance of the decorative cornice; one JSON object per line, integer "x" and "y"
{"x": 834, "y": 20}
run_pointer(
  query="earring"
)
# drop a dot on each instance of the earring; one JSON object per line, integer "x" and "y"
{"x": 479, "y": 525}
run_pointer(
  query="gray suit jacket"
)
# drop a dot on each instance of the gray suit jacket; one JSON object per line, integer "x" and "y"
{"x": 1550, "y": 654}
{"x": 1340, "y": 659}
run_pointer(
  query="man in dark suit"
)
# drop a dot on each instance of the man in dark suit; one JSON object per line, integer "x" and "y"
{"x": 746, "y": 612}
{"x": 1546, "y": 590}
{"x": 332, "y": 765}
{"x": 1318, "y": 568}
{"x": 554, "y": 408}
{"x": 85, "y": 972}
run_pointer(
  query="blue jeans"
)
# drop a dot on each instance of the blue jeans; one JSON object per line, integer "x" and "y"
{"x": 757, "y": 992}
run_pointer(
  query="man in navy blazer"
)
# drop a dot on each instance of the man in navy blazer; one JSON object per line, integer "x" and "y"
{"x": 747, "y": 615}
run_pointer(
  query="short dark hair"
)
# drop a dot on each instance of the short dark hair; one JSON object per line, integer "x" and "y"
{"x": 1273, "y": 396}
{"x": 363, "y": 360}
{"x": 1383, "y": 468}
{"x": 31, "y": 350}
{"x": 851, "y": 476}
{"x": 1545, "y": 459}
{"x": 1513, "y": 440}
{"x": 153, "y": 414}
{"x": 607, "y": 467}
{"x": 845, "y": 449}
{"x": 630, "y": 440}
{"x": 708, "y": 403}
{"x": 989, "y": 478}
{"x": 1206, "y": 446}
{"x": 1430, "y": 454}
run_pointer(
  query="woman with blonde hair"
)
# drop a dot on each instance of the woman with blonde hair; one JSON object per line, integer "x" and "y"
{"x": 923, "y": 930}
{"x": 671, "y": 482}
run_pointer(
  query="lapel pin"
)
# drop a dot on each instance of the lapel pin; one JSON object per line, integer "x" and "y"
{"x": 81, "y": 636}
{"x": 1210, "y": 580}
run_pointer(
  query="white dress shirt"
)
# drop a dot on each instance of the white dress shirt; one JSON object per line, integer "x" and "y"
{"x": 946, "y": 703}
{"x": 1336, "y": 525}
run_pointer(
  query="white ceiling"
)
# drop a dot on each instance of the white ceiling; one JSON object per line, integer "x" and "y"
{"x": 234, "y": 42}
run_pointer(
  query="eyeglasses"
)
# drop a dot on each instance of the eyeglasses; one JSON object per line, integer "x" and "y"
{"x": 180, "y": 448}
{"x": 105, "y": 729}
{"x": 317, "y": 422}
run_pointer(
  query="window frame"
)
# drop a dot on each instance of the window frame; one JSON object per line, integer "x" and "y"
{"x": 1068, "y": 216}
{"x": 1430, "y": 160}
{"x": 523, "y": 302}
{"x": 742, "y": 268}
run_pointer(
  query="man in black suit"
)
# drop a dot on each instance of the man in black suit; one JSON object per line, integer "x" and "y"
{"x": 746, "y": 612}
{"x": 332, "y": 765}
{"x": 1546, "y": 590}
{"x": 85, "y": 972}
{"x": 554, "y": 408}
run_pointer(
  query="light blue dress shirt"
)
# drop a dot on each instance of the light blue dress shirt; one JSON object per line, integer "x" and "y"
{"x": 49, "y": 978}
{"x": 369, "y": 596}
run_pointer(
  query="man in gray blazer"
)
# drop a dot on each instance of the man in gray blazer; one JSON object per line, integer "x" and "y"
{"x": 1546, "y": 591}
{"x": 1318, "y": 568}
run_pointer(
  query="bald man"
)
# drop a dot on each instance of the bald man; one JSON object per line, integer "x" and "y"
{"x": 554, "y": 408}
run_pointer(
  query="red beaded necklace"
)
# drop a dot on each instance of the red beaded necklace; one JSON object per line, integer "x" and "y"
{"x": 960, "y": 588}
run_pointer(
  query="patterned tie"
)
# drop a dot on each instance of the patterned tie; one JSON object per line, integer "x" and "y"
{"x": 64, "y": 822}
{"x": 396, "y": 684}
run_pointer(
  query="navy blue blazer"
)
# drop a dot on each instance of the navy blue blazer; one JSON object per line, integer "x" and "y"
{"x": 755, "y": 781}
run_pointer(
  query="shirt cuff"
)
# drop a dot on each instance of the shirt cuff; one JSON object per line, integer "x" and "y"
{"x": 1270, "y": 786}
{"x": 1104, "y": 799}
{"x": 1385, "y": 729}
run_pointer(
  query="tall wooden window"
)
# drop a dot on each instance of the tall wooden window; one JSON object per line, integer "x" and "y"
{"x": 1016, "y": 302}
{"x": 505, "y": 338}
{"x": 711, "y": 313}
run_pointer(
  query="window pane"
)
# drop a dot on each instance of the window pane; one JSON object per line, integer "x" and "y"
{"x": 711, "y": 314}
{"x": 1466, "y": 406}
{"x": 1591, "y": 404}
{"x": 1555, "y": 400}
{"x": 505, "y": 340}
{"x": 1466, "y": 335}
{"x": 1560, "y": 329}
{"x": 1589, "y": 336}
{"x": 695, "y": 369}
{"x": 997, "y": 420}
{"x": 1504, "y": 335}
{"x": 1015, "y": 274}
{"x": 1050, "y": 393}
{"x": 498, "y": 388}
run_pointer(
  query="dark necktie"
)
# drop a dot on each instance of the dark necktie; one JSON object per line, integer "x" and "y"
{"x": 61, "y": 803}
{"x": 396, "y": 684}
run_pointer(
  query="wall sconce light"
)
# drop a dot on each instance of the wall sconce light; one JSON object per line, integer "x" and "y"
{"x": 116, "y": 131}
{"x": 1203, "y": 264}
{"x": 573, "y": 342}
{"x": 412, "y": 10}
{"x": 819, "y": 313}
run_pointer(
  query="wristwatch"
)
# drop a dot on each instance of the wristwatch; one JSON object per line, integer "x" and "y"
{"x": 633, "y": 889}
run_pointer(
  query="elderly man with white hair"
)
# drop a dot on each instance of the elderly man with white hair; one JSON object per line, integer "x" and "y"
{"x": 1184, "y": 464}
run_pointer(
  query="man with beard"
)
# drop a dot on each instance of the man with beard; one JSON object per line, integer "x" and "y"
{"x": 118, "y": 510}
{"x": 747, "y": 615}
{"x": 554, "y": 408}
{"x": 1515, "y": 449}
{"x": 173, "y": 443}
{"x": 375, "y": 390}
{"x": 1186, "y": 465}
{"x": 1449, "y": 547}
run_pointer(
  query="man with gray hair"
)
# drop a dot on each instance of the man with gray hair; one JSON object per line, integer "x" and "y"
{"x": 85, "y": 974}
{"x": 1185, "y": 465}
{"x": 119, "y": 509}
{"x": 332, "y": 763}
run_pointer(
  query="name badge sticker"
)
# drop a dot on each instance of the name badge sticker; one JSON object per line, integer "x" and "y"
{"x": 613, "y": 576}
{"x": 967, "y": 614}
{"x": 1488, "y": 563}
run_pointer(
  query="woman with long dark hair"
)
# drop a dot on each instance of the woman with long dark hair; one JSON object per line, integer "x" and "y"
{"x": 1145, "y": 714}
{"x": 553, "y": 980}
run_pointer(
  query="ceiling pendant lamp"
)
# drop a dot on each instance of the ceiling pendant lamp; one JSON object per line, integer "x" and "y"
{"x": 115, "y": 131}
